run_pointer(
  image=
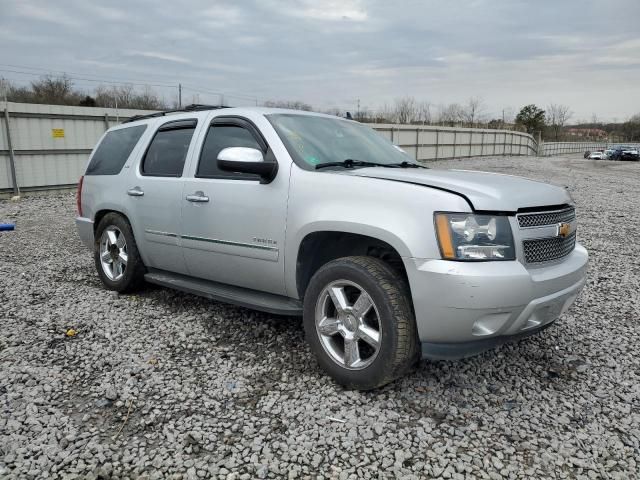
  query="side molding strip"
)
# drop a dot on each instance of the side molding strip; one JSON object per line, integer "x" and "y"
{"x": 164, "y": 234}
{"x": 213, "y": 240}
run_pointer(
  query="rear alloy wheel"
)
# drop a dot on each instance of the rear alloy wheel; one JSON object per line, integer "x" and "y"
{"x": 359, "y": 322}
{"x": 116, "y": 254}
{"x": 113, "y": 253}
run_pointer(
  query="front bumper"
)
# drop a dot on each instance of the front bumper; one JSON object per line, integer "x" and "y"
{"x": 85, "y": 231}
{"x": 464, "y": 308}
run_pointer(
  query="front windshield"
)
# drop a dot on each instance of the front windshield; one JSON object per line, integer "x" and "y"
{"x": 313, "y": 141}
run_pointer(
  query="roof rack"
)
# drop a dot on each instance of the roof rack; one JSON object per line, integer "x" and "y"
{"x": 195, "y": 107}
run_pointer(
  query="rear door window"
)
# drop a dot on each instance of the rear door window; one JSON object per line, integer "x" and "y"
{"x": 167, "y": 151}
{"x": 114, "y": 150}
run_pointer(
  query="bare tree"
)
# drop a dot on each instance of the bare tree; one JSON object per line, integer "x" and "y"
{"x": 405, "y": 109}
{"x": 334, "y": 111}
{"x": 473, "y": 111}
{"x": 424, "y": 113}
{"x": 125, "y": 96}
{"x": 386, "y": 114}
{"x": 557, "y": 117}
{"x": 508, "y": 115}
{"x": 54, "y": 90}
{"x": 450, "y": 115}
{"x": 292, "y": 104}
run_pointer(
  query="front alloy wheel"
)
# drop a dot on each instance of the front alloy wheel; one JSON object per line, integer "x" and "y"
{"x": 359, "y": 322}
{"x": 348, "y": 324}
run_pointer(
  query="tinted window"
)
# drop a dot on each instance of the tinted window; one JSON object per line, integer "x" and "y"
{"x": 218, "y": 138}
{"x": 167, "y": 152}
{"x": 113, "y": 151}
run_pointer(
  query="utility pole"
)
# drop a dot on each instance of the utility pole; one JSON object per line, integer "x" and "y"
{"x": 358, "y": 111}
{"x": 4, "y": 88}
{"x": 179, "y": 95}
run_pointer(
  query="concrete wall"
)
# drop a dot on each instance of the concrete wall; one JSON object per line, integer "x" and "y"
{"x": 51, "y": 143}
{"x": 432, "y": 143}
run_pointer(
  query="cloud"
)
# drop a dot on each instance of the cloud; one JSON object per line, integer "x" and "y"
{"x": 159, "y": 56}
{"x": 510, "y": 52}
{"x": 41, "y": 13}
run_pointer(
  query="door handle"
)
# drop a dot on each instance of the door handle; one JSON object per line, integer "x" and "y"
{"x": 197, "y": 197}
{"x": 135, "y": 192}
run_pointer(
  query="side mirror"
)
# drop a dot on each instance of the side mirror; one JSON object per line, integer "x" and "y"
{"x": 247, "y": 160}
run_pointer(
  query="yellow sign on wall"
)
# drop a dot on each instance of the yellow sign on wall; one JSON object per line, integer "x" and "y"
{"x": 57, "y": 132}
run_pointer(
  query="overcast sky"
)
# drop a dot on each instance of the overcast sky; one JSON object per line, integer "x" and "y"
{"x": 583, "y": 53}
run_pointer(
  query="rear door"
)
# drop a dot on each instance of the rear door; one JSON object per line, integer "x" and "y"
{"x": 154, "y": 192}
{"x": 235, "y": 234}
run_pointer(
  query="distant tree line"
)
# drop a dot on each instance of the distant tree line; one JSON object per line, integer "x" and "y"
{"x": 59, "y": 90}
{"x": 552, "y": 123}
{"x": 410, "y": 111}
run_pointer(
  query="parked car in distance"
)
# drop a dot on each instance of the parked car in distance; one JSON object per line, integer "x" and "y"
{"x": 304, "y": 214}
{"x": 630, "y": 153}
{"x": 623, "y": 152}
{"x": 597, "y": 155}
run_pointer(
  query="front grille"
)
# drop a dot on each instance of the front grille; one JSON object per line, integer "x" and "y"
{"x": 546, "y": 249}
{"x": 527, "y": 220}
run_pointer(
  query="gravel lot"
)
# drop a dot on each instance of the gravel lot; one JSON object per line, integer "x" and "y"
{"x": 163, "y": 384}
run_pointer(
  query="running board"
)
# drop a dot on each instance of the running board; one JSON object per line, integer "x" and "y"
{"x": 244, "y": 297}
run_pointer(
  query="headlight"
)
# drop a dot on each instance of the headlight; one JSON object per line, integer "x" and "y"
{"x": 465, "y": 236}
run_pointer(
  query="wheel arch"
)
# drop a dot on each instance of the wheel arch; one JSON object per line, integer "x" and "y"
{"x": 100, "y": 214}
{"x": 319, "y": 247}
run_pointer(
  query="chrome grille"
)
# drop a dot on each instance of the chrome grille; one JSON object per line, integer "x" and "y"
{"x": 546, "y": 249}
{"x": 528, "y": 220}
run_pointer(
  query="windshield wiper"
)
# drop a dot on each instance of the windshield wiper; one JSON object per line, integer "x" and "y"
{"x": 406, "y": 164}
{"x": 350, "y": 163}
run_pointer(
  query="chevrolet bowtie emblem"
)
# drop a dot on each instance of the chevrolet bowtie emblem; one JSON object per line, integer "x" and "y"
{"x": 564, "y": 229}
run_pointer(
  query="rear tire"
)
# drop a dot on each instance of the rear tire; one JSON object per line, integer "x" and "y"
{"x": 116, "y": 255}
{"x": 359, "y": 322}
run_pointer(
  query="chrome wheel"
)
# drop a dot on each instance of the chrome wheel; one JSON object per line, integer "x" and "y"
{"x": 348, "y": 324}
{"x": 113, "y": 253}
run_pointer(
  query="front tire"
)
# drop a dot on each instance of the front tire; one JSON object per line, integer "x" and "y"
{"x": 359, "y": 322}
{"x": 116, "y": 255}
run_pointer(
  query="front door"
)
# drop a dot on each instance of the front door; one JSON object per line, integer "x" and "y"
{"x": 155, "y": 196}
{"x": 233, "y": 227}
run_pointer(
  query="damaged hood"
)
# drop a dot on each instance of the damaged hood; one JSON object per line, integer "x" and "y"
{"x": 485, "y": 191}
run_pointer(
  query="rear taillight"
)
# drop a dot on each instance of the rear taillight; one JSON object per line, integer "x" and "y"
{"x": 79, "y": 196}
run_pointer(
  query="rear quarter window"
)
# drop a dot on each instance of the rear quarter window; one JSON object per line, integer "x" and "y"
{"x": 114, "y": 150}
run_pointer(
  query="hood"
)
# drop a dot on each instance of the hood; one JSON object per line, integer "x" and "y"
{"x": 483, "y": 190}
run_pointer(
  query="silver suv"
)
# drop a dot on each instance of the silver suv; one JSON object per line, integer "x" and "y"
{"x": 310, "y": 215}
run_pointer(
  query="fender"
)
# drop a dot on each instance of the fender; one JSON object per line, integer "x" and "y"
{"x": 397, "y": 213}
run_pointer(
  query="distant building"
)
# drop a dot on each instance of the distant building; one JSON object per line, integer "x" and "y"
{"x": 586, "y": 132}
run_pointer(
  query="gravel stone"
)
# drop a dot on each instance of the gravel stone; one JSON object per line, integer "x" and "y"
{"x": 161, "y": 384}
